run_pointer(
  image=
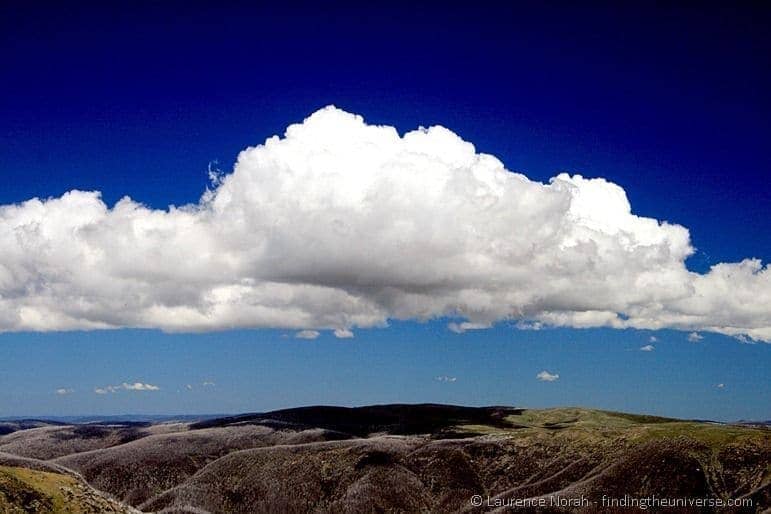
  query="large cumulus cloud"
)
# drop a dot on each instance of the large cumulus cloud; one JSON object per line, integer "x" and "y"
{"x": 340, "y": 224}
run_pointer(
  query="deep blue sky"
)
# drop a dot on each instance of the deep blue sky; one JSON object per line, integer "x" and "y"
{"x": 137, "y": 99}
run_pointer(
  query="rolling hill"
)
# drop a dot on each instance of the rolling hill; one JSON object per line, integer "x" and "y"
{"x": 402, "y": 458}
{"x": 24, "y": 490}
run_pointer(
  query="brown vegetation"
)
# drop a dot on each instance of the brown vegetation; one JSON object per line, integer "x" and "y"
{"x": 424, "y": 458}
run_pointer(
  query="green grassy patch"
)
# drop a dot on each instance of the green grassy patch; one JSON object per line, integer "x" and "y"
{"x": 25, "y": 490}
{"x": 713, "y": 436}
{"x": 37, "y": 491}
{"x": 587, "y": 424}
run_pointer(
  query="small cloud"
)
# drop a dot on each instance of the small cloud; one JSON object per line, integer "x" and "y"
{"x": 647, "y": 348}
{"x": 720, "y": 385}
{"x": 139, "y": 386}
{"x": 744, "y": 339}
{"x": 343, "y": 333}
{"x": 307, "y": 334}
{"x": 208, "y": 383}
{"x": 653, "y": 339}
{"x": 545, "y": 376}
{"x": 62, "y": 391}
{"x": 445, "y": 378}
{"x": 188, "y": 387}
{"x": 136, "y": 386}
{"x": 459, "y": 328}
{"x": 528, "y": 325}
{"x": 695, "y": 337}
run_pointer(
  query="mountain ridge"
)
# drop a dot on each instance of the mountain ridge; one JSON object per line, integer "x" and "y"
{"x": 400, "y": 458}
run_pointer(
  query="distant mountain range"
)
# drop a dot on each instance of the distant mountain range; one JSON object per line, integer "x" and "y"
{"x": 121, "y": 418}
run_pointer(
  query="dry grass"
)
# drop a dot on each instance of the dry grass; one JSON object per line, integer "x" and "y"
{"x": 278, "y": 463}
{"x": 56, "y": 441}
{"x": 25, "y": 490}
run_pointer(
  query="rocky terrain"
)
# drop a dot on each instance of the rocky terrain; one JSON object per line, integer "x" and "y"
{"x": 390, "y": 458}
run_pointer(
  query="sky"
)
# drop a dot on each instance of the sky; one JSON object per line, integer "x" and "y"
{"x": 392, "y": 235}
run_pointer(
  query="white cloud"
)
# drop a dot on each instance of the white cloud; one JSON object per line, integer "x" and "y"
{"x": 343, "y": 333}
{"x": 139, "y": 386}
{"x": 653, "y": 339}
{"x": 647, "y": 348}
{"x": 208, "y": 383}
{"x": 459, "y": 328}
{"x": 136, "y": 386}
{"x": 62, "y": 391}
{"x": 545, "y": 376}
{"x": 720, "y": 386}
{"x": 445, "y": 378}
{"x": 340, "y": 224}
{"x": 307, "y": 334}
{"x": 528, "y": 325}
{"x": 695, "y": 337}
{"x": 189, "y": 387}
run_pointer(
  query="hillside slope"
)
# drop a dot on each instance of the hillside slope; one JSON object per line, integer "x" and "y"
{"x": 30, "y": 491}
{"x": 419, "y": 458}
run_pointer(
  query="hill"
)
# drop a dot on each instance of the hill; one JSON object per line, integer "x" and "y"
{"x": 24, "y": 490}
{"x": 13, "y": 425}
{"x": 408, "y": 458}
